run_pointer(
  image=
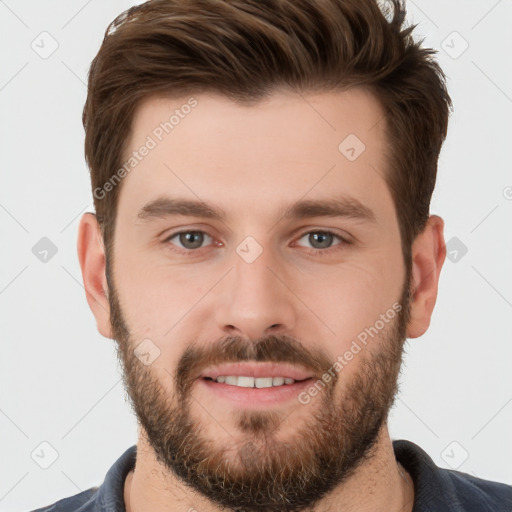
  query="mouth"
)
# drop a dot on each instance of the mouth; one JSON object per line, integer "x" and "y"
{"x": 250, "y": 385}
{"x": 246, "y": 381}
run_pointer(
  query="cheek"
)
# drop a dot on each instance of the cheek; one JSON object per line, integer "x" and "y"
{"x": 349, "y": 300}
{"x": 160, "y": 300}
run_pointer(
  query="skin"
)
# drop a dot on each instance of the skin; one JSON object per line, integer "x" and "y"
{"x": 251, "y": 162}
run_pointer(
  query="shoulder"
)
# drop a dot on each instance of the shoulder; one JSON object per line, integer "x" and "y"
{"x": 470, "y": 490}
{"x": 107, "y": 496}
{"x": 81, "y": 502}
{"x": 449, "y": 490}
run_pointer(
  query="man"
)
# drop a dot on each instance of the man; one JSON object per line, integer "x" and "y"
{"x": 261, "y": 249}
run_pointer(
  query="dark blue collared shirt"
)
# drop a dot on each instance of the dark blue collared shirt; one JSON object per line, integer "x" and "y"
{"x": 435, "y": 489}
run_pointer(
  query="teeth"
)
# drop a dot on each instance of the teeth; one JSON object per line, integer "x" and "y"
{"x": 262, "y": 382}
{"x": 245, "y": 382}
{"x": 251, "y": 382}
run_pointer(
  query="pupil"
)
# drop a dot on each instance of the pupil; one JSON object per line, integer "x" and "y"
{"x": 324, "y": 239}
{"x": 187, "y": 239}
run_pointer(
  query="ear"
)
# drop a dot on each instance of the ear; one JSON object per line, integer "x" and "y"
{"x": 428, "y": 255}
{"x": 91, "y": 254}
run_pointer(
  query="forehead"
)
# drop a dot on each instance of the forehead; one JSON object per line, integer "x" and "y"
{"x": 247, "y": 158}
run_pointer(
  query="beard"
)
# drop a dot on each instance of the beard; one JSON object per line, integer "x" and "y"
{"x": 255, "y": 471}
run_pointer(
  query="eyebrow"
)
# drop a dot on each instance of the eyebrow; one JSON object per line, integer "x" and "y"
{"x": 347, "y": 207}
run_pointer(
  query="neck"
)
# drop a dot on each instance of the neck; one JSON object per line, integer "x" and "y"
{"x": 380, "y": 484}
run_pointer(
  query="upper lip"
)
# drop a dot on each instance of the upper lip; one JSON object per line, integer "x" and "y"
{"x": 257, "y": 370}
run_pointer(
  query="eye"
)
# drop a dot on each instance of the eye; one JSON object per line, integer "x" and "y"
{"x": 322, "y": 240}
{"x": 193, "y": 240}
{"x": 189, "y": 240}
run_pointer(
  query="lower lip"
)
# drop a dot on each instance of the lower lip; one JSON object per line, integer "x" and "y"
{"x": 250, "y": 397}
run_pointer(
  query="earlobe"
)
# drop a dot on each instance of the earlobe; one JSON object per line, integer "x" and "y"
{"x": 428, "y": 255}
{"x": 91, "y": 254}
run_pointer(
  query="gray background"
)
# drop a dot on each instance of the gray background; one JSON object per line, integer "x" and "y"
{"x": 60, "y": 382}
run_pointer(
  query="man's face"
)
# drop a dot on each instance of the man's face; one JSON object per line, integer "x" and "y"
{"x": 258, "y": 295}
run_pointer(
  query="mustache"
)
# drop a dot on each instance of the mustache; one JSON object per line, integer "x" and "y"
{"x": 234, "y": 349}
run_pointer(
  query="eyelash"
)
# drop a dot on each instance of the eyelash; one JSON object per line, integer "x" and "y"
{"x": 311, "y": 251}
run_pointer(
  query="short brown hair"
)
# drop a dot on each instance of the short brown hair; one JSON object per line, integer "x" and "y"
{"x": 246, "y": 49}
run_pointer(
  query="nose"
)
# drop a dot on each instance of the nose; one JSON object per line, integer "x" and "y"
{"x": 255, "y": 299}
